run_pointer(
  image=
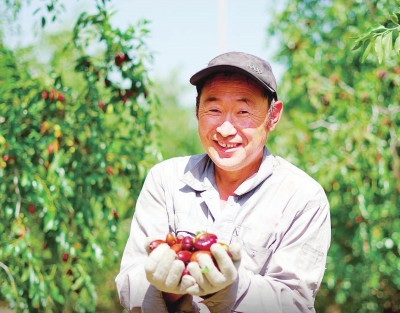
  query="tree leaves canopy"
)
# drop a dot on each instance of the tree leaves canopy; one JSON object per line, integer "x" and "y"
{"x": 341, "y": 125}
{"x": 76, "y": 139}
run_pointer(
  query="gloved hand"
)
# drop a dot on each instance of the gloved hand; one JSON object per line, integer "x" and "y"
{"x": 164, "y": 271}
{"x": 210, "y": 278}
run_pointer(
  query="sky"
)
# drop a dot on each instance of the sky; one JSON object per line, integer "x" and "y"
{"x": 184, "y": 34}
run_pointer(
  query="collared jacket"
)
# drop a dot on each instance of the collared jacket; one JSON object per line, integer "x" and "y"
{"x": 280, "y": 215}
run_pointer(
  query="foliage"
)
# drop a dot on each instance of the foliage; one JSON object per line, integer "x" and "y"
{"x": 341, "y": 125}
{"x": 384, "y": 38}
{"x": 177, "y": 136}
{"x": 74, "y": 149}
{"x": 47, "y": 8}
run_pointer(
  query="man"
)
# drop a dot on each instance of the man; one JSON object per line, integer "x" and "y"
{"x": 275, "y": 216}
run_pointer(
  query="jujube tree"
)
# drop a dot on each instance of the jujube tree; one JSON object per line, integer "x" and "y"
{"x": 73, "y": 154}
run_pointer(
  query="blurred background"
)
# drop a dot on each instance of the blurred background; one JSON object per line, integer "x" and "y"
{"x": 93, "y": 93}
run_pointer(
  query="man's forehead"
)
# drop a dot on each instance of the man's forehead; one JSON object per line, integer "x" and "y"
{"x": 231, "y": 77}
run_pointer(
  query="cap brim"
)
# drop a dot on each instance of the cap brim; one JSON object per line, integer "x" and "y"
{"x": 197, "y": 78}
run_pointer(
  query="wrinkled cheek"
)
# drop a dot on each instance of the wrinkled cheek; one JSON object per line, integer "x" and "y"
{"x": 205, "y": 134}
{"x": 259, "y": 138}
{"x": 204, "y": 140}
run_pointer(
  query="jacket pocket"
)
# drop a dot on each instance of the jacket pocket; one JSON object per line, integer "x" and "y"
{"x": 256, "y": 258}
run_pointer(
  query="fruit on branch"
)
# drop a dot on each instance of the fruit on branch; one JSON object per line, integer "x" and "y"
{"x": 120, "y": 58}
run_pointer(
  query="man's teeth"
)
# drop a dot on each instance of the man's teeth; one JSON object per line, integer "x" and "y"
{"x": 227, "y": 145}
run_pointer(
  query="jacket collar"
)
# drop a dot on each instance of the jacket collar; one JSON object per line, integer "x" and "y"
{"x": 200, "y": 174}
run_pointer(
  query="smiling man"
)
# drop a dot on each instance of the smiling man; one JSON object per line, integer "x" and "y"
{"x": 234, "y": 120}
{"x": 272, "y": 215}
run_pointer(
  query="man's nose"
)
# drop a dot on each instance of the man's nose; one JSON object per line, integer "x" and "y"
{"x": 226, "y": 129}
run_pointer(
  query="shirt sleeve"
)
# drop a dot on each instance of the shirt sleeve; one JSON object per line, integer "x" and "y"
{"x": 294, "y": 271}
{"x": 149, "y": 220}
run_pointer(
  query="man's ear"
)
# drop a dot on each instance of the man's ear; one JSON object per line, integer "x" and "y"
{"x": 197, "y": 106}
{"x": 275, "y": 114}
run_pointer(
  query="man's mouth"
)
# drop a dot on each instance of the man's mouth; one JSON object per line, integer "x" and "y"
{"x": 228, "y": 145}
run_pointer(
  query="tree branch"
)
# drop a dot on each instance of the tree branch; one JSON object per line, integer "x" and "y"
{"x": 12, "y": 281}
{"x": 17, "y": 191}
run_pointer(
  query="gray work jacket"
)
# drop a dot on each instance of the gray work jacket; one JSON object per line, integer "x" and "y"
{"x": 280, "y": 215}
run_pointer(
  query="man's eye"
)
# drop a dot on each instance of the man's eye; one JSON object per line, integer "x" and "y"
{"x": 214, "y": 110}
{"x": 243, "y": 112}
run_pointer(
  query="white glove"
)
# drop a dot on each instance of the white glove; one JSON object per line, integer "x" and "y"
{"x": 210, "y": 279}
{"x": 164, "y": 271}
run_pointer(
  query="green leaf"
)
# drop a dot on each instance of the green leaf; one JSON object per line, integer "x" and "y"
{"x": 387, "y": 44}
{"x": 36, "y": 11}
{"x": 357, "y": 44}
{"x": 379, "y": 29}
{"x": 393, "y": 17}
{"x": 205, "y": 270}
{"x": 78, "y": 283}
{"x": 379, "y": 48}
{"x": 366, "y": 51}
{"x": 56, "y": 296}
{"x": 397, "y": 44}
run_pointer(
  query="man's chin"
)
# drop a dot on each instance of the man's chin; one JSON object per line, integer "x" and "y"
{"x": 228, "y": 164}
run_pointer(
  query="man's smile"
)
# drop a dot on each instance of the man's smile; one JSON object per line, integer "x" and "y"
{"x": 227, "y": 145}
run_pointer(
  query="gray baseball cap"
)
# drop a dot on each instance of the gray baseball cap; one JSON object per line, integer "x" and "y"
{"x": 240, "y": 62}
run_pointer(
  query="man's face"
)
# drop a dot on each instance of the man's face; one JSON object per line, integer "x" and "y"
{"x": 233, "y": 123}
